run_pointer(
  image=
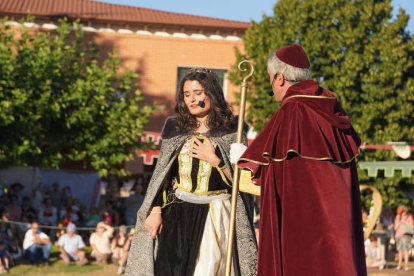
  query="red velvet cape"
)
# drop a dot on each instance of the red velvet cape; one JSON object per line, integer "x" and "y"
{"x": 310, "y": 209}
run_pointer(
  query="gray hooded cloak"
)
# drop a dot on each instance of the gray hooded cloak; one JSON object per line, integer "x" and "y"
{"x": 143, "y": 248}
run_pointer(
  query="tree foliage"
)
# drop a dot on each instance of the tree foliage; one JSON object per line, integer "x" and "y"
{"x": 59, "y": 102}
{"x": 358, "y": 51}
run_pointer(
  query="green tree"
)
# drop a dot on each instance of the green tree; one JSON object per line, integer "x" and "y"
{"x": 356, "y": 50}
{"x": 58, "y": 102}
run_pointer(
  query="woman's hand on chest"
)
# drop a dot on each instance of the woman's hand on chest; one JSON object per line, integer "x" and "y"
{"x": 203, "y": 151}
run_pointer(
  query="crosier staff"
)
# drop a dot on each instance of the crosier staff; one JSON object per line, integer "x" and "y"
{"x": 236, "y": 175}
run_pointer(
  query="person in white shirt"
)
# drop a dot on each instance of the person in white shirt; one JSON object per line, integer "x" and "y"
{"x": 72, "y": 247}
{"x": 36, "y": 243}
{"x": 101, "y": 242}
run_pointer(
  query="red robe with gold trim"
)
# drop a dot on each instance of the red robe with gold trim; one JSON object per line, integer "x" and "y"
{"x": 310, "y": 209}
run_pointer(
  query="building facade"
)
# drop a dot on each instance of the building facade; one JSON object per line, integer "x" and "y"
{"x": 160, "y": 46}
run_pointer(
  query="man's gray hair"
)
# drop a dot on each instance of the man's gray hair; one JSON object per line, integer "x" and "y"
{"x": 275, "y": 65}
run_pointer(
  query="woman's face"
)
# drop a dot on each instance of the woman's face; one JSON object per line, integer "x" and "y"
{"x": 193, "y": 93}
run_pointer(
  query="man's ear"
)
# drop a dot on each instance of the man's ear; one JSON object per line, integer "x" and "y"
{"x": 280, "y": 79}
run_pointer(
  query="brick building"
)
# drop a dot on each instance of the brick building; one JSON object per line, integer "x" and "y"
{"x": 160, "y": 46}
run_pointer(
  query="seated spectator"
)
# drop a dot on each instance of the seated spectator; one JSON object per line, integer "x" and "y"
{"x": 14, "y": 250}
{"x": 67, "y": 196}
{"x": 11, "y": 243}
{"x": 109, "y": 215}
{"x": 48, "y": 216}
{"x": 12, "y": 212}
{"x": 101, "y": 242}
{"x": 17, "y": 190}
{"x": 373, "y": 254}
{"x": 72, "y": 247}
{"x": 28, "y": 210}
{"x": 119, "y": 206}
{"x": 82, "y": 214}
{"x": 92, "y": 218}
{"x": 133, "y": 203}
{"x": 22, "y": 228}
{"x": 4, "y": 258}
{"x": 4, "y": 201}
{"x": 74, "y": 217}
{"x": 76, "y": 201}
{"x": 38, "y": 195}
{"x": 56, "y": 195}
{"x": 69, "y": 214}
{"x": 107, "y": 218}
{"x": 36, "y": 244}
{"x": 5, "y": 233}
{"x": 120, "y": 248}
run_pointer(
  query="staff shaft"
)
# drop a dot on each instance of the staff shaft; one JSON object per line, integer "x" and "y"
{"x": 236, "y": 177}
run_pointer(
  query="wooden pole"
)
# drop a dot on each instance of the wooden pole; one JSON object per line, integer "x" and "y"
{"x": 236, "y": 175}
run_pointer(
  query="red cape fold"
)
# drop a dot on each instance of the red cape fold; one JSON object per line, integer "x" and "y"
{"x": 310, "y": 210}
{"x": 310, "y": 123}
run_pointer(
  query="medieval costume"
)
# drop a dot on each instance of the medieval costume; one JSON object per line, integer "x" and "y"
{"x": 310, "y": 210}
{"x": 196, "y": 207}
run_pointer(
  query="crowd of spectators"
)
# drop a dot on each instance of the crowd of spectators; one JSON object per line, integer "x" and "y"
{"x": 40, "y": 214}
{"x": 398, "y": 229}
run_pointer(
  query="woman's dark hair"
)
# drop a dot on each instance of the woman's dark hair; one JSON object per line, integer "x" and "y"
{"x": 220, "y": 112}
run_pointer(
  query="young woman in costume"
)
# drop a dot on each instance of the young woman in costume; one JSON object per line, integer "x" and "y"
{"x": 182, "y": 226}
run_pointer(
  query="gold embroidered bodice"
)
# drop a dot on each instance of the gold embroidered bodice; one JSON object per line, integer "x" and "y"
{"x": 197, "y": 176}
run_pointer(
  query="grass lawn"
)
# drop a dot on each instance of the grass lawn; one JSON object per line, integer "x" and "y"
{"x": 57, "y": 267}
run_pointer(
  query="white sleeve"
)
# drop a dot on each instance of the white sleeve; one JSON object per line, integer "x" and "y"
{"x": 43, "y": 236}
{"x": 80, "y": 242}
{"x": 236, "y": 151}
{"x": 60, "y": 241}
{"x": 92, "y": 239}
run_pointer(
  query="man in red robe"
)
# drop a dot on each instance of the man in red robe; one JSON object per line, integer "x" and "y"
{"x": 304, "y": 161}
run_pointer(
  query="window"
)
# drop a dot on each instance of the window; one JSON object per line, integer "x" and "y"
{"x": 221, "y": 74}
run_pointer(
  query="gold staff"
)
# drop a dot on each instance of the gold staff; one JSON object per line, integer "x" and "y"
{"x": 236, "y": 175}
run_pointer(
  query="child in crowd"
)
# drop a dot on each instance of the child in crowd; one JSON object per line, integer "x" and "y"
{"x": 120, "y": 248}
{"x": 22, "y": 228}
{"x": 74, "y": 217}
{"x": 373, "y": 254}
{"x": 11, "y": 245}
{"x": 107, "y": 218}
{"x": 14, "y": 250}
{"x": 4, "y": 258}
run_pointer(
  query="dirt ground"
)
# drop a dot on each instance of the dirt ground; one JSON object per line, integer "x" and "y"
{"x": 391, "y": 271}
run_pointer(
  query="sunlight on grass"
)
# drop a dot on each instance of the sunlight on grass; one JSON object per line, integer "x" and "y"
{"x": 57, "y": 267}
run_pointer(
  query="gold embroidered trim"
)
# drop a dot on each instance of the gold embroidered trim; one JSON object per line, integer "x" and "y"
{"x": 164, "y": 198}
{"x": 215, "y": 231}
{"x": 204, "y": 172}
{"x": 312, "y": 97}
{"x": 203, "y": 177}
{"x": 185, "y": 166}
{"x": 210, "y": 192}
{"x": 223, "y": 176}
{"x": 266, "y": 155}
{"x": 214, "y": 219}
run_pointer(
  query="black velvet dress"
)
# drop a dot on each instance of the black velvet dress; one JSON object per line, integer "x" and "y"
{"x": 183, "y": 222}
